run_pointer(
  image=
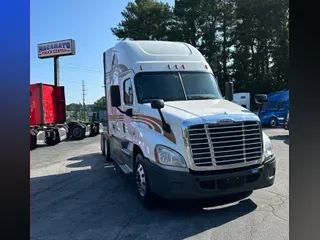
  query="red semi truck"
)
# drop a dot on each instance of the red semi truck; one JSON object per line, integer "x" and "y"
{"x": 48, "y": 118}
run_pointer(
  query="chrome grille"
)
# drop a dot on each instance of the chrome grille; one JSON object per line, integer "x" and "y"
{"x": 221, "y": 145}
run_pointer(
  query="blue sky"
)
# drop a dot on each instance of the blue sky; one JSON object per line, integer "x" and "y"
{"x": 88, "y": 23}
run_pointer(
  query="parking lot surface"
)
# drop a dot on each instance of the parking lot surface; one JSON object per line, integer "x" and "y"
{"x": 75, "y": 195}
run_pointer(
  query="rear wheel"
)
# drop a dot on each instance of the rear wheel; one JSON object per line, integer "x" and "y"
{"x": 33, "y": 139}
{"x": 273, "y": 122}
{"x": 142, "y": 182}
{"x": 54, "y": 138}
{"x": 77, "y": 132}
{"x": 106, "y": 145}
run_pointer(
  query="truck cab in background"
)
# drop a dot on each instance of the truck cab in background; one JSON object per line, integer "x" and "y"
{"x": 169, "y": 126}
{"x": 275, "y": 111}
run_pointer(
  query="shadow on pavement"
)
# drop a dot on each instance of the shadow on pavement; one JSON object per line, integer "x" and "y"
{"x": 97, "y": 201}
{"x": 284, "y": 138}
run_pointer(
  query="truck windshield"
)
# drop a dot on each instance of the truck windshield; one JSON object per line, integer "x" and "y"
{"x": 176, "y": 86}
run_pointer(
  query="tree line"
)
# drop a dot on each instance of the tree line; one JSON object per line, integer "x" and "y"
{"x": 245, "y": 41}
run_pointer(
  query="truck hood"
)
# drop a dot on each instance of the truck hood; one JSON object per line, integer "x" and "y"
{"x": 178, "y": 111}
{"x": 203, "y": 108}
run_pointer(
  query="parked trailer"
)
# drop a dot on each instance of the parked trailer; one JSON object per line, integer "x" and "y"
{"x": 48, "y": 118}
{"x": 242, "y": 99}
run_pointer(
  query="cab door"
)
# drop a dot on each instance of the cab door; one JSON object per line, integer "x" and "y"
{"x": 128, "y": 129}
{"x": 281, "y": 111}
{"x": 115, "y": 124}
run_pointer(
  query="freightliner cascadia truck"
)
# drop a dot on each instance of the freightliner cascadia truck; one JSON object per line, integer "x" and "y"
{"x": 170, "y": 128}
{"x": 48, "y": 118}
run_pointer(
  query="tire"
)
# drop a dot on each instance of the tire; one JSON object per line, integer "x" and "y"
{"x": 93, "y": 132}
{"x": 102, "y": 143}
{"x": 106, "y": 151}
{"x": 142, "y": 185}
{"x": 33, "y": 140}
{"x": 52, "y": 142}
{"x": 77, "y": 132}
{"x": 273, "y": 122}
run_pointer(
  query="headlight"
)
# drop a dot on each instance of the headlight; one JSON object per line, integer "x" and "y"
{"x": 169, "y": 157}
{"x": 268, "y": 152}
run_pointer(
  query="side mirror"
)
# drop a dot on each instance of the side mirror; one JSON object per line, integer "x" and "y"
{"x": 157, "y": 104}
{"x": 229, "y": 91}
{"x": 115, "y": 96}
{"x": 261, "y": 98}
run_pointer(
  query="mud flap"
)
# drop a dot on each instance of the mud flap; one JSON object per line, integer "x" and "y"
{"x": 88, "y": 130}
{"x": 41, "y": 138}
{"x": 62, "y": 133}
{"x": 100, "y": 128}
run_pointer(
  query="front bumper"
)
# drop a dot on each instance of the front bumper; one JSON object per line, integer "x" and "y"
{"x": 172, "y": 184}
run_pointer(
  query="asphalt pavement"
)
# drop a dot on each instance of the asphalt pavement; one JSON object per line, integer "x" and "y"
{"x": 75, "y": 195}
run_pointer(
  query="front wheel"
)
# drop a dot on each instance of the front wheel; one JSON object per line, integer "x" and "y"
{"x": 142, "y": 183}
{"x": 273, "y": 122}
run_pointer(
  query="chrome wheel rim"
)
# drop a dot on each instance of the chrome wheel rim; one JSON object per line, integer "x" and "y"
{"x": 141, "y": 180}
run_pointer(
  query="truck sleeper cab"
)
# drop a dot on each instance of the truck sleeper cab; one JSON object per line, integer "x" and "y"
{"x": 168, "y": 125}
{"x": 275, "y": 111}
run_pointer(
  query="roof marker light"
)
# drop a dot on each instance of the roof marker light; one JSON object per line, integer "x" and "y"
{"x": 183, "y": 66}
{"x": 141, "y": 68}
{"x": 206, "y": 66}
{"x": 169, "y": 66}
{"x": 176, "y": 66}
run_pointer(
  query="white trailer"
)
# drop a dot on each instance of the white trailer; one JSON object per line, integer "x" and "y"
{"x": 242, "y": 99}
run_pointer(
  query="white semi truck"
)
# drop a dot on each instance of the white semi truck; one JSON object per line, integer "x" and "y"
{"x": 169, "y": 126}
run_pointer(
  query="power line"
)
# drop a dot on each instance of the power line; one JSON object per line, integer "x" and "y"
{"x": 82, "y": 69}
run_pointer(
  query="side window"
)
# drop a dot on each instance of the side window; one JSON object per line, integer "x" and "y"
{"x": 280, "y": 105}
{"x": 127, "y": 92}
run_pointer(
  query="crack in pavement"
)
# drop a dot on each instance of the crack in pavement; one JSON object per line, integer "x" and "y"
{"x": 274, "y": 213}
{"x": 278, "y": 194}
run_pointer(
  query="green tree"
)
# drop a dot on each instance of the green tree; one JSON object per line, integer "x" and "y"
{"x": 100, "y": 104}
{"x": 244, "y": 40}
{"x": 144, "y": 20}
{"x": 74, "y": 107}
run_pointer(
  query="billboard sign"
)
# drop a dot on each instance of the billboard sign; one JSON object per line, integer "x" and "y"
{"x": 57, "y": 48}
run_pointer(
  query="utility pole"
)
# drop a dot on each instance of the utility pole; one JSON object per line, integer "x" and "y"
{"x": 56, "y": 71}
{"x": 83, "y": 100}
